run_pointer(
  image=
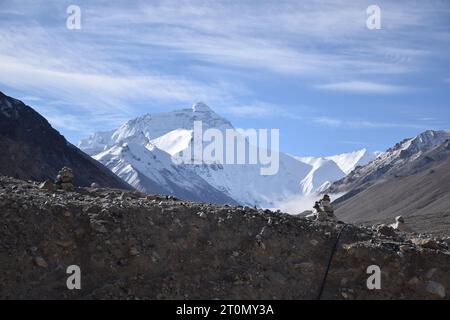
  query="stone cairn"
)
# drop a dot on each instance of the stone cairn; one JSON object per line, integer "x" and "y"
{"x": 323, "y": 210}
{"x": 64, "y": 179}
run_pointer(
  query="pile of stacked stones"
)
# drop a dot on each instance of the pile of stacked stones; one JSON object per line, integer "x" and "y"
{"x": 64, "y": 179}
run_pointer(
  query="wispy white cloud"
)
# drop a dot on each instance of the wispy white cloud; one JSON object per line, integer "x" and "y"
{"x": 364, "y": 124}
{"x": 363, "y": 87}
{"x": 145, "y": 52}
{"x": 106, "y": 91}
{"x": 260, "y": 109}
{"x": 286, "y": 38}
{"x": 353, "y": 143}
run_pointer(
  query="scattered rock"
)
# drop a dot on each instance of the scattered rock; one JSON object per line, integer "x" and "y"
{"x": 202, "y": 215}
{"x": 46, "y": 185}
{"x": 321, "y": 216}
{"x": 64, "y": 244}
{"x": 436, "y": 288}
{"x": 385, "y": 230}
{"x": 306, "y": 267}
{"x": 430, "y": 273}
{"x": 260, "y": 242}
{"x": 98, "y": 226}
{"x": 427, "y": 243}
{"x": 67, "y": 186}
{"x": 413, "y": 281}
{"x": 40, "y": 262}
{"x": 133, "y": 251}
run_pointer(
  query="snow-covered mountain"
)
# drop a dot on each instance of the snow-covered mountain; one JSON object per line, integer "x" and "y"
{"x": 347, "y": 162}
{"x": 322, "y": 174}
{"x": 390, "y": 163}
{"x": 147, "y": 168}
{"x": 326, "y": 170}
{"x": 143, "y": 153}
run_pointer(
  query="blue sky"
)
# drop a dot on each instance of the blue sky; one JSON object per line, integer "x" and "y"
{"x": 310, "y": 68}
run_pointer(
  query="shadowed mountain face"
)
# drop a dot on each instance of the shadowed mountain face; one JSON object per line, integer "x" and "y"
{"x": 32, "y": 149}
{"x": 417, "y": 187}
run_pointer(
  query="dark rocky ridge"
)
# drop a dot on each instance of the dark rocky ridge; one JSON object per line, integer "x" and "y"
{"x": 130, "y": 245}
{"x": 32, "y": 150}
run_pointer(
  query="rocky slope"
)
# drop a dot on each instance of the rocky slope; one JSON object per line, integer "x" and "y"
{"x": 418, "y": 188}
{"x": 32, "y": 149}
{"x": 130, "y": 245}
{"x": 390, "y": 163}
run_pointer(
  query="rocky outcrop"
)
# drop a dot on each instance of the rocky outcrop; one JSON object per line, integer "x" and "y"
{"x": 30, "y": 149}
{"x": 131, "y": 245}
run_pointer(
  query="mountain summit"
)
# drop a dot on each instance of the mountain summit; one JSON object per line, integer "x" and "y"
{"x": 155, "y": 139}
{"x": 201, "y": 107}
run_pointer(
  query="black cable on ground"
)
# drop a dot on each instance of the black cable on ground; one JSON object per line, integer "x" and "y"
{"x": 333, "y": 251}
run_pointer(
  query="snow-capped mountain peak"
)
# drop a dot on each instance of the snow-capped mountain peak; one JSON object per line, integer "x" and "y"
{"x": 412, "y": 148}
{"x": 143, "y": 152}
{"x": 156, "y": 125}
{"x": 349, "y": 161}
{"x": 324, "y": 171}
{"x": 392, "y": 161}
{"x": 201, "y": 107}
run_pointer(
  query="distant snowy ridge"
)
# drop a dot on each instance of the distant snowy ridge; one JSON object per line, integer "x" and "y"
{"x": 326, "y": 170}
{"x": 390, "y": 162}
{"x": 349, "y": 161}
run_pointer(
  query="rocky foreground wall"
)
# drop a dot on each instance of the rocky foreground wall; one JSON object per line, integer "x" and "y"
{"x": 130, "y": 245}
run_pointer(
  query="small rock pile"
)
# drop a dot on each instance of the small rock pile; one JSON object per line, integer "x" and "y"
{"x": 64, "y": 179}
{"x": 323, "y": 210}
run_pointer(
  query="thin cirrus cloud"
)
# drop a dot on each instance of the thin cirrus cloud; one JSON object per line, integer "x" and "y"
{"x": 363, "y": 124}
{"x": 363, "y": 87}
{"x": 107, "y": 90}
{"x": 145, "y": 54}
{"x": 285, "y": 39}
{"x": 261, "y": 110}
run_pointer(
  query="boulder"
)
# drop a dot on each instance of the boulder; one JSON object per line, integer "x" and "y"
{"x": 47, "y": 185}
{"x": 385, "y": 230}
{"x": 436, "y": 289}
{"x": 427, "y": 243}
